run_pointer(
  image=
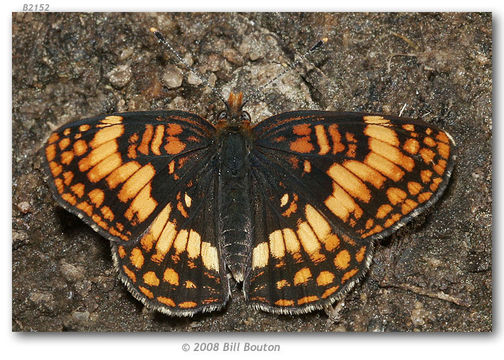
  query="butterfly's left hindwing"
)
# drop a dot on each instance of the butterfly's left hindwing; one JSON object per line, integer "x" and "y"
{"x": 330, "y": 184}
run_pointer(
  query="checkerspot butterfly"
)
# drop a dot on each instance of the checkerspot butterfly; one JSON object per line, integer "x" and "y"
{"x": 290, "y": 206}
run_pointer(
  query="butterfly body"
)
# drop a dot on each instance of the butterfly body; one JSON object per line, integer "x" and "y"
{"x": 290, "y": 206}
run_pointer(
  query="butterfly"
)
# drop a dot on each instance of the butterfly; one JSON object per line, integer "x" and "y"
{"x": 290, "y": 207}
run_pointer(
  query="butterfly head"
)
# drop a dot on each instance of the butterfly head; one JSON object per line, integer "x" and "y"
{"x": 234, "y": 114}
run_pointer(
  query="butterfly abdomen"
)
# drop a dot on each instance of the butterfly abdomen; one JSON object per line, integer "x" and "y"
{"x": 234, "y": 202}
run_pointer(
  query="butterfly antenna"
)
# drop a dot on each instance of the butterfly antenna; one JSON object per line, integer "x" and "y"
{"x": 288, "y": 67}
{"x": 163, "y": 41}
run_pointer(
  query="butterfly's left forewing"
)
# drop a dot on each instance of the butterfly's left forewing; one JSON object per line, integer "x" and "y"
{"x": 330, "y": 184}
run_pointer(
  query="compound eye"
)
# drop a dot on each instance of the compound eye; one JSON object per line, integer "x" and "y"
{"x": 245, "y": 116}
{"x": 222, "y": 115}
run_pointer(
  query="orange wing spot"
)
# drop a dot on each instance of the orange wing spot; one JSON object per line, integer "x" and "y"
{"x": 189, "y": 285}
{"x": 68, "y": 177}
{"x": 104, "y": 167}
{"x": 373, "y": 231}
{"x": 318, "y": 223}
{"x": 435, "y": 184}
{"x": 409, "y": 127}
{"x": 96, "y": 196}
{"x": 408, "y": 206}
{"x": 352, "y": 151}
{"x": 384, "y": 166}
{"x": 77, "y": 136}
{"x": 294, "y": 161}
{"x": 63, "y": 144}
{"x": 292, "y": 207}
{"x": 136, "y": 182}
{"x": 187, "y": 304}
{"x": 329, "y": 291}
{"x": 365, "y": 172}
{"x": 260, "y": 255}
{"x": 112, "y": 120}
{"x": 301, "y": 129}
{"x": 348, "y": 181}
{"x": 59, "y": 185}
{"x": 342, "y": 259}
{"x": 180, "y": 242}
{"x": 132, "y": 154}
{"x": 86, "y": 207}
{"x": 391, "y": 153}
{"x": 174, "y": 145}
{"x": 383, "y": 211}
{"x": 166, "y": 301}
{"x": 336, "y": 139}
{"x": 308, "y": 238}
{"x": 121, "y": 251}
{"x": 157, "y": 140}
{"x": 97, "y": 155}
{"x": 50, "y": 152}
{"x": 282, "y": 283}
{"x": 302, "y": 276}
{"x": 396, "y": 195}
{"x": 360, "y": 254}
{"x": 382, "y": 133}
{"x": 350, "y": 137}
{"x": 106, "y": 135}
{"x": 442, "y": 137}
{"x": 173, "y": 129}
{"x": 146, "y": 138}
{"x": 429, "y": 141}
{"x": 210, "y": 256}
{"x": 129, "y": 273}
{"x": 143, "y": 205}
{"x": 322, "y": 140}
{"x": 414, "y": 187}
{"x": 160, "y": 222}
{"x": 181, "y": 209}
{"x": 80, "y": 147}
{"x": 325, "y": 278}
{"x": 284, "y": 302}
{"x": 348, "y": 275}
{"x": 276, "y": 244}
{"x": 426, "y": 175}
{"x": 427, "y": 155}
{"x": 171, "y": 277}
{"x": 137, "y": 258}
{"x": 302, "y": 145}
{"x": 122, "y": 173}
{"x": 306, "y": 166}
{"x": 423, "y": 197}
{"x": 67, "y": 157}
{"x": 440, "y": 167}
{"x": 340, "y": 203}
{"x": 193, "y": 245}
{"x": 78, "y": 189}
{"x": 284, "y": 200}
{"x": 56, "y": 168}
{"x": 69, "y": 198}
{"x": 443, "y": 150}
{"x": 392, "y": 220}
{"x": 307, "y": 299}
{"x": 147, "y": 242}
{"x": 279, "y": 139}
{"x": 151, "y": 279}
{"x": 412, "y": 146}
{"x": 67, "y": 131}
{"x": 53, "y": 138}
{"x": 146, "y": 292}
{"x": 98, "y": 220}
{"x": 164, "y": 242}
{"x": 84, "y": 128}
{"x": 369, "y": 224}
{"x": 428, "y": 131}
{"x": 107, "y": 213}
{"x": 375, "y": 119}
{"x": 291, "y": 241}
